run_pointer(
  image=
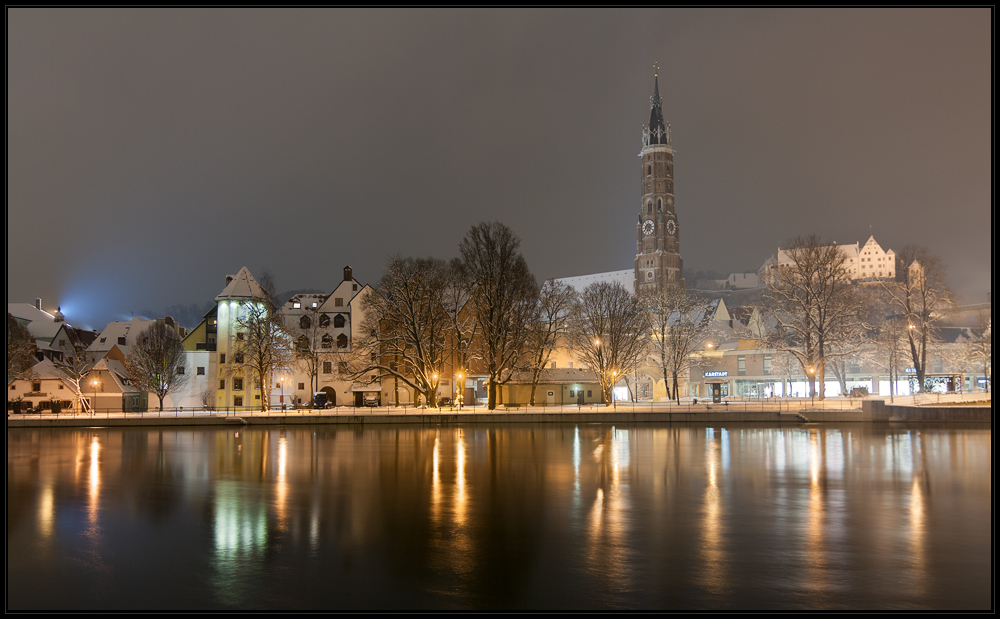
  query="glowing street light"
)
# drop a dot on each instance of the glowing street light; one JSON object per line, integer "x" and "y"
{"x": 812, "y": 386}
{"x": 281, "y": 381}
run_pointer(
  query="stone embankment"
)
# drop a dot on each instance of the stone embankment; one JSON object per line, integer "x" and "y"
{"x": 871, "y": 410}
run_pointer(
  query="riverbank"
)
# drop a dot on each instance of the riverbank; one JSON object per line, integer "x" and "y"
{"x": 875, "y": 411}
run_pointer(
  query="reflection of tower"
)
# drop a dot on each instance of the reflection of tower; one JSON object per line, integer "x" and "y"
{"x": 657, "y": 256}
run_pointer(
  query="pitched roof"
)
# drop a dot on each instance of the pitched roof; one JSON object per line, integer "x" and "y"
{"x": 626, "y": 278}
{"x": 242, "y": 286}
{"x": 108, "y": 338}
{"x": 42, "y": 326}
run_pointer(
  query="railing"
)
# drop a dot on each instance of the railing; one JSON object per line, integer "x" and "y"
{"x": 687, "y": 405}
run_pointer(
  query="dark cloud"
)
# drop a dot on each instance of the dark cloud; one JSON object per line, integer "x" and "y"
{"x": 151, "y": 152}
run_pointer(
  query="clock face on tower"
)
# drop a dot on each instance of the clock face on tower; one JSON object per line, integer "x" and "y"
{"x": 671, "y": 227}
{"x": 647, "y": 227}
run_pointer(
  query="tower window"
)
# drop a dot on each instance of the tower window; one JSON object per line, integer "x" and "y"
{"x": 659, "y": 205}
{"x": 649, "y": 208}
{"x": 649, "y": 170}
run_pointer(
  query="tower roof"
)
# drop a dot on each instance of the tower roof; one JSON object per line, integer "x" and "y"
{"x": 241, "y": 286}
{"x": 656, "y": 132}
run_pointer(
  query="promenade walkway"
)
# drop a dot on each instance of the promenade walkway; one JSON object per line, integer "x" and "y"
{"x": 796, "y": 410}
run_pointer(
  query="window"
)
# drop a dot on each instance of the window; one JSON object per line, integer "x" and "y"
{"x": 354, "y": 287}
{"x": 238, "y": 358}
{"x": 238, "y": 401}
{"x": 302, "y": 343}
{"x": 324, "y": 320}
{"x": 12, "y": 387}
{"x": 237, "y": 384}
{"x": 767, "y": 364}
{"x": 659, "y": 205}
{"x": 302, "y": 386}
{"x": 121, "y": 341}
{"x": 341, "y": 341}
{"x": 314, "y": 304}
{"x": 553, "y": 365}
{"x": 180, "y": 370}
{"x": 339, "y": 302}
{"x": 741, "y": 365}
{"x": 590, "y": 394}
{"x": 572, "y": 393}
{"x": 327, "y": 367}
{"x": 296, "y": 305}
{"x": 327, "y": 341}
{"x": 305, "y": 322}
{"x": 222, "y": 383}
{"x": 649, "y": 170}
{"x": 200, "y": 371}
{"x": 240, "y": 336}
{"x": 222, "y": 357}
{"x": 62, "y": 342}
{"x": 339, "y": 321}
{"x": 36, "y": 386}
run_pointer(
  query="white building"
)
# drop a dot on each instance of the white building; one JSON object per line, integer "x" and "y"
{"x": 864, "y": 263}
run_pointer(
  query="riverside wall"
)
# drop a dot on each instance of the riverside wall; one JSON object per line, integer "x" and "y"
{"x": 874, "y": 411}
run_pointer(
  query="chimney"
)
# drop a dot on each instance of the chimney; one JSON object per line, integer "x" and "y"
{"x": 348, "y": 274}
{"x": 230, "y": 278}
{"x": 169, "y": 320}
{"x": 38, "y": 303}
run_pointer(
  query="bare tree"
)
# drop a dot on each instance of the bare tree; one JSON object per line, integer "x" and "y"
{"x": 919, "y": 294}
{"x": 77, "y": 366}
{"x": 462, "y": 320}
{"x": 609, "y": 332}
{"x": 982, "y": 346}
{"x": 263, "y": 345}
{"x": 312, "y": 341}
{"x": 406, "y": 330}
{"x": 681, "y": 324}
{"x": 548, "y": 326}
{"x": 503, "y": 301}
{"x": 20, "y": 349}
{"x": 815, "y": 306}
{"x": 155, "y": 361}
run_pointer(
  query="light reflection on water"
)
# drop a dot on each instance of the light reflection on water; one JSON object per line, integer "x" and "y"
{"x": 477, "y": 516}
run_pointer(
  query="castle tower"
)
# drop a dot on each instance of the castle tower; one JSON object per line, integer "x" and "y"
{"x": 658, "y": 261}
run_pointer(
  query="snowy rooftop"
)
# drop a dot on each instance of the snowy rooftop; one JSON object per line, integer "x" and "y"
{"x": 243, "y": 286}
{"x": 626, "y": 278}
{"x": 110, "y": 336}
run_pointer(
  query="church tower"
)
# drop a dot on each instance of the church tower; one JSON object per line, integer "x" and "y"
{"x": 658, "y": 261}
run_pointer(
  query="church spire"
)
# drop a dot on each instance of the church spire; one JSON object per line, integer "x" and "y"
{"x": 657, "y": 131}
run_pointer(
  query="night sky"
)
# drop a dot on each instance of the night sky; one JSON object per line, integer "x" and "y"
{"x": 152, "y": 152}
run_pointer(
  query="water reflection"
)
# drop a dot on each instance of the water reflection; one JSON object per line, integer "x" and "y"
{"x": 576, "y": 516}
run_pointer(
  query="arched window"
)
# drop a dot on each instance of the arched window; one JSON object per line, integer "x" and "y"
{"x": 327, "y": 341}
{"x": 659, "y": 205}
{"x": 302, "y": 343}
{"x": 341, "y": 341}
{"x": 339, "y": 321}
{"x": 324, "y": 320}
{"x": 649, "y": 208}
{"x": 305, "y": 322}
{"x": 649, "y": 170}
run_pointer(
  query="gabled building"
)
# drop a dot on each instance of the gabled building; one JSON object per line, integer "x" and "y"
{"x": 46, "y": 388}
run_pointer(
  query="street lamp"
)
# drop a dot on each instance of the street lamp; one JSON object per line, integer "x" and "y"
{"x": 281, "y": 381}
{"x": 460, "y": 391}
{"x": 93, "y": 405}
{"x": 812, "y": 387}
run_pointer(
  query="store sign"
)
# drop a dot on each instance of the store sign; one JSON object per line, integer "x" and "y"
{"x": 717, "y": 373}
{"x": 911, "y": 370}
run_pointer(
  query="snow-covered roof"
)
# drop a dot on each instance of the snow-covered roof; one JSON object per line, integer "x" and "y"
{"x": 242, "y": 286}
{"x": 626, "y": 278}
{"x": 42, "y": 327}
{"x": 108, "y": 338}
{"x": 45, "y": 369}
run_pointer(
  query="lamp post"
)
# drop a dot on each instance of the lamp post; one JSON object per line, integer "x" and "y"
{"x": 460, "y": 391}
{"x": 434, "y": 388}
{"x": 281, "y": 381}
{"x": 93, "y": 405}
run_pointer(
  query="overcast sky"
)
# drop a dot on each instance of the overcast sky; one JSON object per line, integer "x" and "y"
{"x": 153, "y": 151}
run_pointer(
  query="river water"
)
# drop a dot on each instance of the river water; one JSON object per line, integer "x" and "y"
{"x": 548, "y": 516}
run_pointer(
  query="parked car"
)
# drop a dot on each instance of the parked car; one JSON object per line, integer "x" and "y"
{"x": 371, "y": 400}
{"x": 446, "y": 401}
{"x": 320, "y": 400}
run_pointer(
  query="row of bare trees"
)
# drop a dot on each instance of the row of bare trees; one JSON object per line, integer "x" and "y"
{"x": 822, "y": 317}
